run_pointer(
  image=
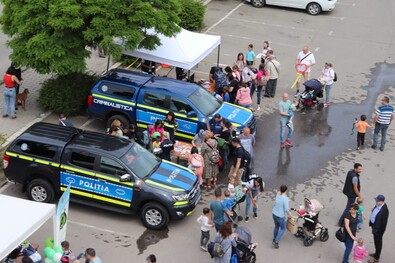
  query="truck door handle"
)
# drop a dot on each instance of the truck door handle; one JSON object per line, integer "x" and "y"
{"x": 137, "y": 188}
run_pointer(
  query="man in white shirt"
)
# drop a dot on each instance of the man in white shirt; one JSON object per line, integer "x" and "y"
{"x": 307, "y": 58}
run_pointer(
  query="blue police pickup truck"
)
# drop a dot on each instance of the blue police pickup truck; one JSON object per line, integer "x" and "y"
{"x": 140, "y": 98}
{"x": 103, "y": 171}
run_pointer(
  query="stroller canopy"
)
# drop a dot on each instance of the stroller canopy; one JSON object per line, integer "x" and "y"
{"x": 244, "y": 234}
{"x": 313, "y": 84}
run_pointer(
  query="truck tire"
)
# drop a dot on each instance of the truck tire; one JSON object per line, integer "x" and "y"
{"x": 125, "y": 122}
{"x": 154, "y": 216}
{"x": 40, "y": 190}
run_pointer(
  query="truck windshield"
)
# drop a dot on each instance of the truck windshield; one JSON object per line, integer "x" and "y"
{"x": 140, "y": 161}
{"x": 204, "y": 101}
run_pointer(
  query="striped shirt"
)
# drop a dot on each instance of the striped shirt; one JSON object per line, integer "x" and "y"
{"x": 385, "y": 113}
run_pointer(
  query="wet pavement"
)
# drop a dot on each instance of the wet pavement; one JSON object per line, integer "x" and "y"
{"x": 319, "y": 136}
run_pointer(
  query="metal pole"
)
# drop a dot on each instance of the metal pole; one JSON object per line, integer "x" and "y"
{"x": 108, "y": 62}
{"x": 219, "y": 49}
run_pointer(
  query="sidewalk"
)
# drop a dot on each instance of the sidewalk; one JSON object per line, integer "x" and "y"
{"x": 33, "y": 81}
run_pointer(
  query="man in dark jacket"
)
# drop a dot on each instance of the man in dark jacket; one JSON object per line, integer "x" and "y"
{"x": 378, "y": 223}
{"x": 352, "y": 189}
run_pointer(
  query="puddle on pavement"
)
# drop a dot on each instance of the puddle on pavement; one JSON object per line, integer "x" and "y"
{"x": 319, "y": 135}
{"x": 150, "y": 237}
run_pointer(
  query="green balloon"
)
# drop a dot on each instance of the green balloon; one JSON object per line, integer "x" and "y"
{"x": 49, "y": 242}
{"x": 58, "y": 249}
{"x": 47, "y": 250}
{"x": 51, "y": 253}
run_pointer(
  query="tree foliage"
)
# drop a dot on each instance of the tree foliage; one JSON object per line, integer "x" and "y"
{"x": 192, "y": 14}
{"x": 52, "y": 36}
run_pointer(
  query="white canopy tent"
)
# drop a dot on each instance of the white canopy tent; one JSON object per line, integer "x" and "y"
{"x": 19, "y": 219}
{"x": 184, "y": 50}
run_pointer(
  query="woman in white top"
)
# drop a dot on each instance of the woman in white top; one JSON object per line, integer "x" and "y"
{"x": 327, "y": 74}
{"x": 265, "y": 49}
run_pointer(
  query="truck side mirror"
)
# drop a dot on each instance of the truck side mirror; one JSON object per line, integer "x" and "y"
{"x": 125, "y": 178}
{"x": 191, "y": 114}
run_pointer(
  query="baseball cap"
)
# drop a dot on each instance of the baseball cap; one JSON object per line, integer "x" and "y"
{"x": 380, "y": 198}
{"x": 156, "y": 135}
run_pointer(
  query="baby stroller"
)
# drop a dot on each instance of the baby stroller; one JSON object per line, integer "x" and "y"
{"x": 245, "y": 249}
{"x": 310, "y": 97}
{"x": 240, "y": 197}
{"x": 312, "y": 228}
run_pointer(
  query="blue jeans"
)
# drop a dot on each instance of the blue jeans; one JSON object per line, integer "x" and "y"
{"x": 349, "y": 243}
{"x": 259, "y": 95}
{"x": 283, "y": 126}
{"x": 377, "y": 129}
{"x": 249, "y": 201}
{"x": 360, "y": 221}
{"x": 252, "y": 88}
{"x": 279, "y": 227}
{"x": 328, "y": 93}
{"x": 9, "y": 101}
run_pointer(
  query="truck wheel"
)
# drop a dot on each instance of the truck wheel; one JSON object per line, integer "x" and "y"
{"x": 40, "y": 190}
{"x": 125, "y": 122}
{"x": 154, "y": 216}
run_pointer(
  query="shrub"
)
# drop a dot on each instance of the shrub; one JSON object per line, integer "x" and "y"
{"x": 66, "y": 94}
{"x": 192, "y": 15}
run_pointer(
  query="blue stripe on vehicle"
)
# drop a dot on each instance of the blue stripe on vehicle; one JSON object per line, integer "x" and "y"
{"x": 183, "y": 172}
{"x": 169, "y": 181}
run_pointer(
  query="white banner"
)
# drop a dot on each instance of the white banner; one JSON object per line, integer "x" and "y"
{"x": 62, "y": 213}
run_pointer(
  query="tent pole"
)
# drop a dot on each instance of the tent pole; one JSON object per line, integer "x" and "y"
{"x": 219, "y": 49}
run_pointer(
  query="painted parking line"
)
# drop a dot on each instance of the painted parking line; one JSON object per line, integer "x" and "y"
{"x": 88, "y": 122}
{"x": 245, "y": 21}
{"x": 253, "y": 39}
{"x": 225, "y": 17}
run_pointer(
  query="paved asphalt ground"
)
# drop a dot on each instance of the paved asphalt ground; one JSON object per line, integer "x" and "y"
{"x": 358, "y": 38}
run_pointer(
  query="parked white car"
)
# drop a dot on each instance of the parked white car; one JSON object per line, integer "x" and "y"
{"x": 313, "y": 7}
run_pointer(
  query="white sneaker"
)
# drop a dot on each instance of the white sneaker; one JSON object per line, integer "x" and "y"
{"x": 203, "y": 248}
{"x": 258, "y": 108}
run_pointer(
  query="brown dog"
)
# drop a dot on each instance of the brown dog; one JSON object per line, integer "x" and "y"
{"x": 22, "y": 97}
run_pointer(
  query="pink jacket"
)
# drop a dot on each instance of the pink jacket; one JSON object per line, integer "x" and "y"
{"x": 360, "y": 253}
{"x": 243, "y": 96}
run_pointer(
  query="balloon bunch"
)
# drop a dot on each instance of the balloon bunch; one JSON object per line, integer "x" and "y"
{"x": 52, "y": 253}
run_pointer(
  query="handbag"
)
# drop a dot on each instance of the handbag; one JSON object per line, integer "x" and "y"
{"x": 340, "y": 235}
{"x": 196, "y": 162}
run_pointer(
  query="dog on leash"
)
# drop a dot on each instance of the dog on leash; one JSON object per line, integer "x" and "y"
{"x": 22, "y": 97}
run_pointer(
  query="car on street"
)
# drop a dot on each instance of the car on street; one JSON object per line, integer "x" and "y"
{"x": 313, "y": 7}
{"x": 103, "y": 171}
{"x": 134, "y": 97}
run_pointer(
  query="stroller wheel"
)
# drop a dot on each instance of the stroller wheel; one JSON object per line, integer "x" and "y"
{"x": 251, "y": 258}
{"x": 308, "y": 241}
{"x": 320, "y": 106}
{"x": 324, "y": 235}
{"x": 300, "y": 232}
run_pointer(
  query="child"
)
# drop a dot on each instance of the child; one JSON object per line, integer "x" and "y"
{"x": 360, "y": 251}
{"x": 291, "y": 113}
{"x": 156, "y": 143}
{"x": 227, "y": 204}
{"x": 361, "y": 125}
{"x": 225, "y": 95}
{"x": 360, "y": 213}
{"x": 243, "y": 96}
{"x": 205, "y": 226}
{"x": 67, "y": 256}
{"x": 250, "y": 55}
{"x": 231, "y": 187}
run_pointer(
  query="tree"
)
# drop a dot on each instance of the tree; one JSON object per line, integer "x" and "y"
{"x": 52, "y": 36}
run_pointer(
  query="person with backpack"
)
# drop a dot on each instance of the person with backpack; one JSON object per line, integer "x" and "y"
{"x": 226, "y": 240}
{"x": 255, "y": 188}
{"x": 211, "y": 158}
{"x": 328, "y": 76}
{"x": 196, "y": 160}
{"x": 240, "y": 162}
